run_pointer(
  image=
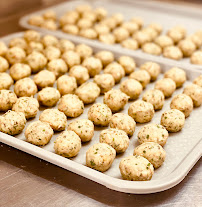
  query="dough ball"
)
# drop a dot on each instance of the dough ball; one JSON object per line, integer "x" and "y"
{"x": 116, "y": 138}
{"x": 84, "y": 51}
{"x": 84, "y": 23}
{"x": 152, "y": 48}
{"x": 130, "y": 26}
{"x": 69, "y": 18}
{"x": 153, "y": 133}
{"x": 164, "y": 41}
{"x": 138, "y": 20}
{"x": 152, "y": 68}
{"x": 19, "y": 71}
{"x": 141, "y": 111}
{"x": 36, "y": 61}
{"x": 7, "y": 99}
{"x": 54, "y": 117}
{"x": 27, "y": 105}
{"x": 151, "y": 32}
{"x": 136, "y": 168}
{"x": 183, "y": 103}
{"x": 80, "y": 73}
{"x": 3, "y": 48}
{"x": 49, "y": 14}
{"x": 195, "y": 39}
{"x": 67, "y": 144}
{"x": 175, "y": 34}
{"x": 127, "y": 63}
{"x": 141, "y": 76}
{"x": 156, "y": 26}
{"x": 15, "y": 55}
{"x": 153, "y": 152}
{"x": 100, "y": 114}
{"x": 155, "y": 97}
{"x": 71, "y": 105}
{"x": 71, "y": 29}
{"x": 66, "y": 45}
{"x": 83, "y": 8}
{"x": 58, "y": 67}
{"x": 173, "y": 120}
{"x": 36, "y": 20}
{"x": 5, "y": 81}
{"x": 187, "y": 47}
{"x": 88, "y": 92}
{"x": 39, "y": 133}
{"x": 34, "y": 46}
{"x": 100, "y": 156}
{"x": 101, "y": 13}
{"x": 110, "y": 22}
{"x": 123, "y": 122}
{"x": 195, "y": 92}
{"x": 52, "y": 53}
{"x": 49, "y": 24}
{"x": 31, "y": 35}
{"x": 105, "y": 82}
{"x": 115, "y": 100}
{"x": 71, "y": 58}
{"x": 198, "y": 81}
{"x": 48, "y": 96}
{"x": 118, "y": 17}
{"x": 84, "y": 128}
{"x": 44, "y": 78}
{"x": 107, "y": 38}
{"x": 120, "y": 34}
{"x": 172, "y": 52}
{"x": 141, "y": 37}
{"x": 18, "y": 42}
{"x": 132, "y": 88}
{"x": 130, "y": 44}
{"x": 101, "y": 29}
{"x": 116, "y": 70}
{"x": 91, "y": 16}
{"x": 12, "y": 122}
{"x": 50, "y": 40}
{"x": 176, "y": 74}
{"x": 88, "y": 33}
{"x": 106, "y": 57}
{"x": 166, "y": 85}
{"x": 66, "y": 84}
{"x": 196, "y": 58}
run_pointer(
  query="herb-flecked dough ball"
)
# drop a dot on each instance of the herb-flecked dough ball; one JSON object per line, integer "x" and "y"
{"x": 49, "y": 40}
{"x": 172, "y": 52}
{"x": 7, "y": 99}
{"x": 84, "y": 51}
{"x": 15, "y": 55}
{"x": 5, "y": 81}
{"x": 106, "y": 57}
{"x": 71, "y": 58}
{"x": 31, "y": 35}
{"x": 127, "y": 63}
{"x": 4, "y": 65}
{"x": 196, "y": 58}
{"x": 198, "y": 81}
{"x": 19, "y": 71}
{"x": 18, "y": 42}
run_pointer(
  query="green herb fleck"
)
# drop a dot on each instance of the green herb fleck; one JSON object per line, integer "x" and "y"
{"x": 147, "y": 136}
{"x": 92, "y": 163}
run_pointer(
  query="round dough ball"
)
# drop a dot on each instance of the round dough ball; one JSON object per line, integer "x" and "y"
{"x": 36, "y": 20}
{"x": 141, "y": 37}
{"x": 116, "y": 70}
{"x": 107, "y": 38}
{"x": 187, "y": 47}
{"x": 52, "y": 53}
{"x": 101, "y": 29}
{"x": 71, "y": 105}
{"x": 44, "y": 78}
{"x": 69, "y": 18}
{"x": 141, "y": 76}
{"x": 48, "y": 96}
{"x": 155, "y": 97}
{"x": 110, "y": 22}
{"x": 3, "y": 48}
{"x": 88, "y": 92}
{"x": 198, "y": 81}
{"x": 153, "y": 152}
{"x": 196, "y": 58}
{"x": 84, "y": 23}
{"x": 152, "y": 68}
{"x": 127, "y": 63}
{"x": 116, "y": 138}
{"x": 166, "y": 85}
{"x": 130, "y": 44}
{"x": 31, "y": 35}
{"x": 66, "y": 84}
{"x": 153, "y": 133}
{"x": 5, "y": 81}
{"x": 4, "y": 65}
{"x": 195, "y": 39}
{"x": 67, "y": 144}
{"x": 71, "y": 29}
{"x": 195, "y": 92}
{"x": 101, "y": 13}
{"x": 100, "y": 156}
{"x": 84, "y": 128}
{"x": 66, "y": 45}
{"x": 136, "y": 168}
{"x": 105, "y": 82}
{"x": 18, "y": 42}
{"x": 71, "y": 58}
{"x": 132, "y": 27}
{"x": 183, "y": 103}
{"x": 106, "y": 57}
{"x": 54, "y": 117}
{"x": 141, "y": 111}
{"x": 83, "y": 8}
{"x": 172, "y": 52}
{"x": 151, "y": 32}
{"x": 49, "y": 24}
{"x": 100, "y": 114}
{"x": 80, "y": 73}
{"x": 138, "y": 20}
{"x": 164, "y": 41}
{"x": 88, "y": 33}
{"x": 91, "y": 16}
{"x": 156, "y": 26}
{"x": 123, "y": 122}
{"x": 7, "y": 99}
{"x": 15, "y": 55}
{"x": 27, "y": 105}
{"x": 176, "y": 35}
{"x": 173, "y": 120}
{"x": 19, "y": 71}
{"x": 36, "y": 61}
{"x": 118, "y": 17}
{"x": 120, "y": 34}
{"x": 152, "y": 48}
{"x": 12, "y": 122}
{"x": 38, "y": 133}
{"x": 58, "y": 67}
{"x": 94, "y": 65}
{"x": 115, "y": 100}
{"x": 176, "y": 74}
{"x": 50, "y": 40}
{"x": 132, "y": 88}
{"x": 84, "y": 51}
{"x": 34, "y": 46}
{"x": 49, "y": 14}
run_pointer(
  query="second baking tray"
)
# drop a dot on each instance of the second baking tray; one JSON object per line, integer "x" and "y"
{"x": 183, "y": 148}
